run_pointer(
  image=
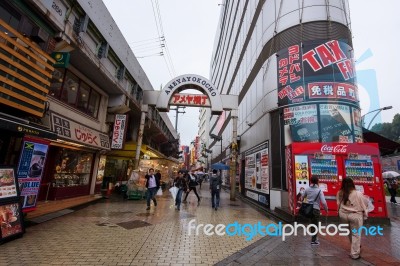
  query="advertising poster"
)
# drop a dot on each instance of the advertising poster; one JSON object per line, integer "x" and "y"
{"x": 316, "y": 70}
{"x": 257, "y": 173}
{"x": 328, "y": 61}
{"x": 290, "y": 75}
{"x": 335, "y": 123}
{"x": 30, "y": 170}
{"x": 8, "y": 185}
{"x": 10, "y": 220}
{"x": 301, "y": 173}
{"x": 357, "y": 123}
{"x": 100, "y": 170}
{"x": 303, "y": 122}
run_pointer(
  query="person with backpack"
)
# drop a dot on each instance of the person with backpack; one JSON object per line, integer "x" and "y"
{"x": 215, "y": 188}
{"x": 315, "y": 196}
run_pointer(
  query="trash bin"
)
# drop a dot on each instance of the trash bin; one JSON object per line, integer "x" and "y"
{"x": 105, "y": 193}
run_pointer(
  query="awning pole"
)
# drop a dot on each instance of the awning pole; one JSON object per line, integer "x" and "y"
{"x": 144, "y": 110}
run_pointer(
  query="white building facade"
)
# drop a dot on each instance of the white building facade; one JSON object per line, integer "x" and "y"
{"x": 289, "y": 62}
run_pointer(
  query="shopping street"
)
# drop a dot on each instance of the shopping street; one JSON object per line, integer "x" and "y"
{"x": 121, "y": 232}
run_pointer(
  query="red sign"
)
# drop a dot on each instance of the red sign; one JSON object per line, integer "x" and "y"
{"x": 334, "y": 90}
{"x": 199, "y": 100}
{"x": 334, "y": 149}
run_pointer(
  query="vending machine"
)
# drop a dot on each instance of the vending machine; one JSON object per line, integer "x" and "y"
{"x": 332, "y": 162}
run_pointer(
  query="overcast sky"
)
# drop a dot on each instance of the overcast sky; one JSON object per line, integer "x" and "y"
{"x": 189, "y": 28}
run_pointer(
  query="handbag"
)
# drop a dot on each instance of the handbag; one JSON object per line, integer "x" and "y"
{"x": 307, "y": 209}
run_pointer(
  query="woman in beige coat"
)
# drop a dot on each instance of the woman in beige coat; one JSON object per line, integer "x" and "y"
{"x": 353, "y": 210}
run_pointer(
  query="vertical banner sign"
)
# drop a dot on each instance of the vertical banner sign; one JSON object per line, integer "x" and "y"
{"x": 119, "y": 131}
{"x": 30, "y": 170}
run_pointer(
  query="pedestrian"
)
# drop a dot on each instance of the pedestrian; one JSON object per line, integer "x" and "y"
{"x": 215, "y": 189}
{"x": 392, "y": 187}
{"x": 200, "y": 176}
{"x": 181, "y": 183}
{"x": 315, "y": 196}
{"x": 191, "y": 178}
{"x": 152, "y": 185}
{"x": 353, "y": 210}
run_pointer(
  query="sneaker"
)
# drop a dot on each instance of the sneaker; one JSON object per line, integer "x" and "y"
{"x": 155, "y": 203}
{"x": 148, "y": 208}
{"x": 216, "y": 208}
{"x": 356, "y": 258}
{"x": 315, "y": 243}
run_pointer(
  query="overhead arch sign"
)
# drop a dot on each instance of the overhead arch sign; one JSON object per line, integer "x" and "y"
{"x": 186, "y": 82}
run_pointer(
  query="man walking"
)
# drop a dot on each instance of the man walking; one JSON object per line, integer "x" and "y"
{"x": 192, "y": 186}
{"x": 215, "y": 188}
{"x": 152, "y": 185}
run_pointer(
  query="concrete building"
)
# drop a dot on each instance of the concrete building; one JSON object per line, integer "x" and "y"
{"x": 72, "y": 87}
{"x": 291, "y": 64}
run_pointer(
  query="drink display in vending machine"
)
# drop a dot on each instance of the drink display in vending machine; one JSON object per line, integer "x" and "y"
{"x": 331, "y": 163}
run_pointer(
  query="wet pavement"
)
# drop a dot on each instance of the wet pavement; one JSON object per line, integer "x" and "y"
{"x": 121, "y": 232}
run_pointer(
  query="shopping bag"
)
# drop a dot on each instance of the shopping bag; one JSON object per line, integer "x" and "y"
{"x": 306, "y": 209}
{"x": 174, "y": 191}
{"x": 159, "y": 192}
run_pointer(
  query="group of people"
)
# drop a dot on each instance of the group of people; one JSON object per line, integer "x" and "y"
{"x": 352, "y": 210}
{"x": 186, "y": 181}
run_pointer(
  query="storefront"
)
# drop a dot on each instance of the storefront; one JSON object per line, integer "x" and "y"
{"x": 75, "y": 163}
{"x": 119, "y": 163}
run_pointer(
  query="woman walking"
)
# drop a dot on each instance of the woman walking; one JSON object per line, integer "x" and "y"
{"x": 315, "y": 196}
{"x": 353, "y": 210}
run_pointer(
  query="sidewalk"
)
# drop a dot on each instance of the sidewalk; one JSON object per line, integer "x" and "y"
{"x": 333, "y": 250}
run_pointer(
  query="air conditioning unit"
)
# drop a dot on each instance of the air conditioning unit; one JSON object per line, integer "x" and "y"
{"x": 39, "y": 35}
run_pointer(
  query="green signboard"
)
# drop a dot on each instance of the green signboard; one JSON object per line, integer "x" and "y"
{"x": 62, "y": 59}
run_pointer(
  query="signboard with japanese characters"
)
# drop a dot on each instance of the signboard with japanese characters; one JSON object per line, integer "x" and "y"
{"x": 68, "y": 129}
{"x": 118, "y": 136}
{"x": 316, "y": 70}
{"x": 198, "y": 100}
{"x": 290, "y": 76}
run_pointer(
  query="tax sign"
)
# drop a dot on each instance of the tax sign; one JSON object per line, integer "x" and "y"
{"x": 118, "y": 135}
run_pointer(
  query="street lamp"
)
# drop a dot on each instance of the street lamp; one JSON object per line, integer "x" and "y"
{"x": 378, "y": 111}
{"x": 217, "y": 138}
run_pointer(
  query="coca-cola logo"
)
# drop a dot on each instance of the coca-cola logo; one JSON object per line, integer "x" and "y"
{"x": 334, "y": 149}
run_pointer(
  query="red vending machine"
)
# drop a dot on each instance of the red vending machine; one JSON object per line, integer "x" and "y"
{"x": 332, "y": 162}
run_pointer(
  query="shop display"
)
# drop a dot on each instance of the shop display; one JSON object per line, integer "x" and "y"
{"x": 11, "y": 221}
{"x": 73, "y": 168}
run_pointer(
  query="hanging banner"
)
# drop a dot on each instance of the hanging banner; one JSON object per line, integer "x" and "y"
{"x": 30, "y": 170}
{"x": 118, "y": 136}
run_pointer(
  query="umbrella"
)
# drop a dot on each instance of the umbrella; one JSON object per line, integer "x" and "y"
{"x": 390, "y": 174}
{"x": 220, "y": 166}
{"x": 174, "y": 191}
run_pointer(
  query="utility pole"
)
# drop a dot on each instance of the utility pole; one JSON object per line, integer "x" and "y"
{"x": 177, "y": 113}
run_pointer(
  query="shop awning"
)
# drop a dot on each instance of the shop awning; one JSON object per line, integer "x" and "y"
{"x": 129, "y": 152}
{"x": 386, "y": 146}
{"x": 16, "y": 124}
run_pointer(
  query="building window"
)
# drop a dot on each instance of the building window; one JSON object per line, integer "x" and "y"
{"x": 68, "y": 88}
{"x": 56, "y": 82}
{"x": 94, "y": 102}
{"x": 83, "y": 97}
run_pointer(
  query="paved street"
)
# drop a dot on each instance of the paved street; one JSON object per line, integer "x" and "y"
{"x": 118, "y": 232}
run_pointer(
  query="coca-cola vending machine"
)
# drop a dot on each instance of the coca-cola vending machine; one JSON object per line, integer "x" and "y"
{"x": 332, "y": 162}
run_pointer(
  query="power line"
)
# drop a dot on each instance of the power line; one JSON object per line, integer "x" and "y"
{"x": 160, "y": 31}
